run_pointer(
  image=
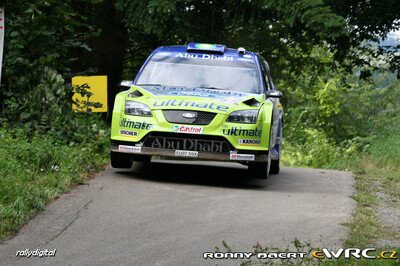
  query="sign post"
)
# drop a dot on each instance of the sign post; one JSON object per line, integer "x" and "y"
{"x": 1, "y": 39}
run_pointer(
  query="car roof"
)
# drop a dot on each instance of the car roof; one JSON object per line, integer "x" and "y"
{"x": 184, "y": 49}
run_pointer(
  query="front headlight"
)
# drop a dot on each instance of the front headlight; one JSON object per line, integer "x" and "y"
{"x": 243, "y": 116}
{"x": 136, "y": 108}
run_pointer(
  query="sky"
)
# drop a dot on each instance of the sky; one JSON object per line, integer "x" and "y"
{"x": 392, "y": 39}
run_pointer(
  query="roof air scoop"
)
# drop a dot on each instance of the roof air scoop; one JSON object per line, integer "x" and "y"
{"x": 241, "y": 50}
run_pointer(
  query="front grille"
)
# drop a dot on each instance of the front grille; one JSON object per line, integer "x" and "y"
{"x": 187, "y": 142}
{"x": 178, "y": 116}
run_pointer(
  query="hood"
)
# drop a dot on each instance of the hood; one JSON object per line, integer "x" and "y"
{"x": 221, "y": 101}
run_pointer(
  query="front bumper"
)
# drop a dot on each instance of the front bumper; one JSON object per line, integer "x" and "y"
{"x": 137, "y": 149}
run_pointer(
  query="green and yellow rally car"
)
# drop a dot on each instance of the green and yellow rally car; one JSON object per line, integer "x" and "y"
{"x": 200, "y": 101}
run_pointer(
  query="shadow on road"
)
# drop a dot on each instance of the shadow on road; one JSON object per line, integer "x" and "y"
{"x": 230, "y": 175}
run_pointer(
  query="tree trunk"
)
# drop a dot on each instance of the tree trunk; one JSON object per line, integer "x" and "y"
{"x": 109, "y": 49}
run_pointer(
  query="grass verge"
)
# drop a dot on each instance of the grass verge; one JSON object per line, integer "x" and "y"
{"x": 35, "y": 171}
{"x": 375, "y": 221}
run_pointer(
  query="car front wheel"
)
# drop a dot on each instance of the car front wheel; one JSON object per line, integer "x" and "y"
{"x": 121, "y": 160}
{"x": 259, "y": 170}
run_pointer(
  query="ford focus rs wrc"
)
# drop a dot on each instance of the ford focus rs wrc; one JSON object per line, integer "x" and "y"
{"x": 200, "y": 101}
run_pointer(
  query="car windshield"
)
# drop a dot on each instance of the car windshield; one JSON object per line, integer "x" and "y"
{"x": 201, "y": 71}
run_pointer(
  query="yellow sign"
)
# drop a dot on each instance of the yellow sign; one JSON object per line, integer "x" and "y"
{"x": 90, "y": 92}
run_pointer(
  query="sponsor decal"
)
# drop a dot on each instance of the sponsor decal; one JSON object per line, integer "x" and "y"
{"x": 164, "y": 53}
{"x": 179, "y": 103}
{"x": 195, "y": 92}
{"x": 192, "y": 94}
{"x": 187, "y": 129}
{"x": 249, "y": 142}
{"x": 136, "y": 125}
{"x": 186, "y": 153}
{"x": 128, "y": 133}
{"x": 245, "y": 60}
{"x": 231, "y": 100}
{"x": 242, "y": 157}
{"x": 205, "y": 56}
{"x": 186, "y": 144}
{"x": 131, "y": 149}
{"x": 238, "y": 131}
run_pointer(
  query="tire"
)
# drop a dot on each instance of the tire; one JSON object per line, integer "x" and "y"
{"x": 275, "y": 164}
{"x": 258, "y": 170}
{"x": 261, "y": 170}
{"x": 141, "y": 158}
{"x": 121, "y": 160}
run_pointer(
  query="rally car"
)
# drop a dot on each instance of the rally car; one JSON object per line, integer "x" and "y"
{"x": 200, "y": 101}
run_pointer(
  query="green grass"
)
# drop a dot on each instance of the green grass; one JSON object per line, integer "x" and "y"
{"x": 33, "y": 172}
{"x": 377, "y": 172}
{"x": 376, "y": 166}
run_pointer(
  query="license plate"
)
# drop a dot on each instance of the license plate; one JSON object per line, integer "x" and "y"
{"x": 186, "y": 153}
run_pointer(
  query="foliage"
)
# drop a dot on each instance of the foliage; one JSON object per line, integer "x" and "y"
{"x": 340, "y": 91}
{"x": 33, "y": 171}
{"x": 330, "y": 113}
{"x": 44, "y": 146}
{"x": 103, "y": 36}
{"x": 47, "y": 111}
{"x": 378, "y": 188}
{"x": 335, "y": 120}
{"x": 84, "y": 105}
{"x": 43, "y": 39}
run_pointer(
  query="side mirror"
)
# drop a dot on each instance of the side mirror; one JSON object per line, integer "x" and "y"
{"x": 274, "y": 94}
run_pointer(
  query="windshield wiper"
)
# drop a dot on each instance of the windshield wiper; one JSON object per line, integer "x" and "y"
{"x": 161, "y": 85}
{"x": 149, "y": 84}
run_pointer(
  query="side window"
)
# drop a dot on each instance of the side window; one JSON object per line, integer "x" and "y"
{"x": 264, "y": 74}
{"x": 268, "y": 76}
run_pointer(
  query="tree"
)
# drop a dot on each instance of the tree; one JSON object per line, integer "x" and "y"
{"x": 113, "y": 37}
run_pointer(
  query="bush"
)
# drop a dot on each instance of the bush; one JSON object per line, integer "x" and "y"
{"x": 35, "y": 170}
{"x": 337, "y": 117}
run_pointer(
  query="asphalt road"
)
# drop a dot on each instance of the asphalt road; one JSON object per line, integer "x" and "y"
{"x": 170, "y": 213}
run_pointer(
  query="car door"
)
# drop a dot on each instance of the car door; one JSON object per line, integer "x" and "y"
{"x": 269, "y": 85}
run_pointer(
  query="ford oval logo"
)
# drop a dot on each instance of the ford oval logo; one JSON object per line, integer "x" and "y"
{"x": 189, "y": 115}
